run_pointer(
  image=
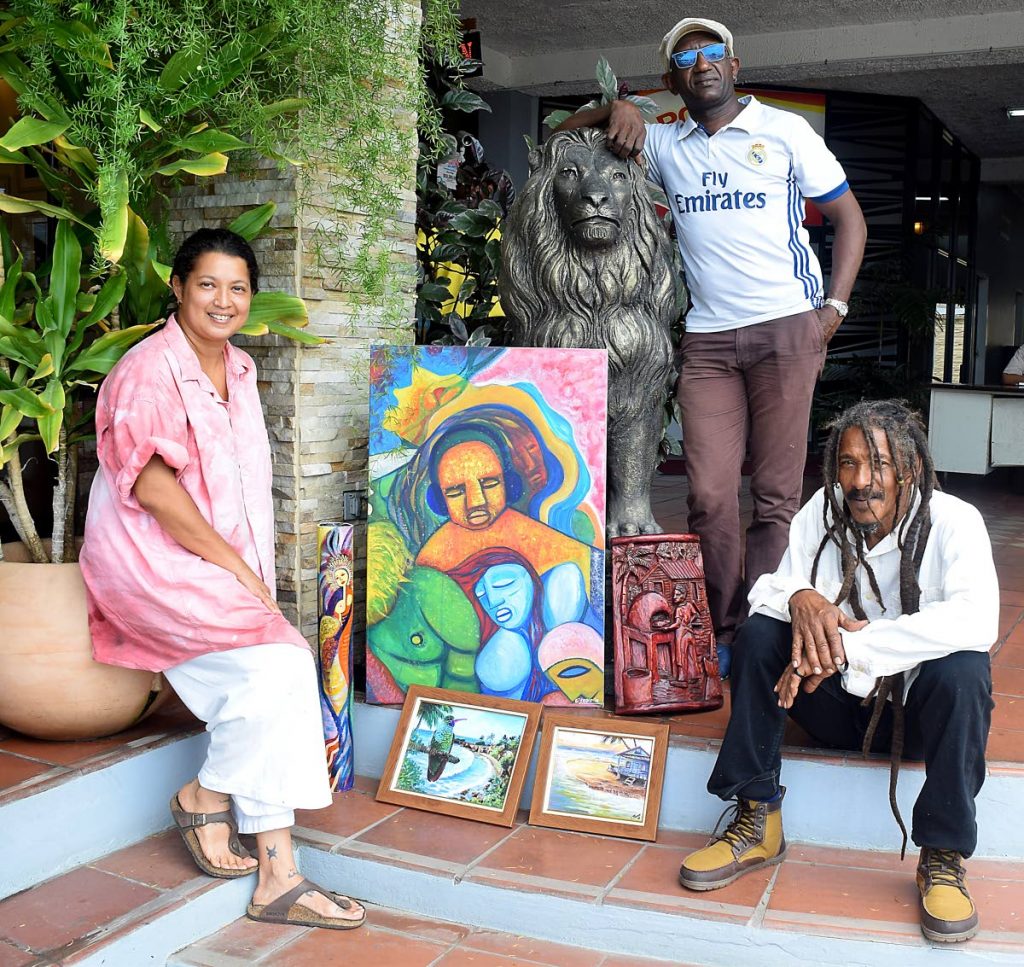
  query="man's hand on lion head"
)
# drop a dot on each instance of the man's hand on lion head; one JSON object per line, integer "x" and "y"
{"x": 592, "y": 194}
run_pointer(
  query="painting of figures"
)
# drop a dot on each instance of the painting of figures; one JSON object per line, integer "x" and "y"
{"x": 460, "y": 755}
{"x": 334, "y": 542}
{"x": 596, "y": 776}
{"x": 485, "y": 543}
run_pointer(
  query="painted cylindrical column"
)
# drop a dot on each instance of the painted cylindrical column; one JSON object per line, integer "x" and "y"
{"x": 334, "y": 544}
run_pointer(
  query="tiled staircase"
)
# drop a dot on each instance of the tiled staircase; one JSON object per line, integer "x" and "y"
{"x": 92, "y": 875}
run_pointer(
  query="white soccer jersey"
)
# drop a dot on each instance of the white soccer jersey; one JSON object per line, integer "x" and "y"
{"x": 737, "y": 199}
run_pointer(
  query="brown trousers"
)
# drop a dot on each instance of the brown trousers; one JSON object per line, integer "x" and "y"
{"x": 754, "y": 382}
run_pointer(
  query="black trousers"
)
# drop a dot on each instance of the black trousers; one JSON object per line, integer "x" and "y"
{"x": 948, "y": 712}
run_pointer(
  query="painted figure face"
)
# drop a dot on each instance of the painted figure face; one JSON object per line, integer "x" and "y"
{"x": 473, "y": 484}
{"x": 213, "y": 302}
{"x": 871, "y": 489}
{"x": 579, "y": 679}
{"x": 506, "y": 593}
{"x": 708, "y": 83}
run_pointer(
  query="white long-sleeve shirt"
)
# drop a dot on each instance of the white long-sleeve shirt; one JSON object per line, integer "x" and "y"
{"x": 959, "y": 606}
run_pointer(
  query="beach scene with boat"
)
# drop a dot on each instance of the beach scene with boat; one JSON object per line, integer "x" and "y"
{"x": 460, "y": 753}
{"x": 599, "y": 775}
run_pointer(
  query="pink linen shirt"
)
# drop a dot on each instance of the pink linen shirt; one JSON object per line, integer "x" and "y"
{"x": 152, "y": 603}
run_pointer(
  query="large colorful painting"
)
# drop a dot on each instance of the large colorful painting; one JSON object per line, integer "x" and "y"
{"x": 334, "y": 542}
{"x": 485, "y": 547}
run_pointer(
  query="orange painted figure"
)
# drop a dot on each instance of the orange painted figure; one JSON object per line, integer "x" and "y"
{"x": 473, "y": 488}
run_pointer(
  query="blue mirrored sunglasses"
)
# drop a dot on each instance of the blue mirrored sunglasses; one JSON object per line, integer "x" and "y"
{"x": 687, "y": 58}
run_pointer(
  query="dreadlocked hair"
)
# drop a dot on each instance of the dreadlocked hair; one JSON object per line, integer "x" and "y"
{"x": 908, "y": 445}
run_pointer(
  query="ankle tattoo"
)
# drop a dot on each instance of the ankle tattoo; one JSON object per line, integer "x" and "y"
{"x": 271, "y": 852}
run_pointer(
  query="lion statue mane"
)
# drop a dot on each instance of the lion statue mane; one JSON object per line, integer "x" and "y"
{"x": 587, "y": 264}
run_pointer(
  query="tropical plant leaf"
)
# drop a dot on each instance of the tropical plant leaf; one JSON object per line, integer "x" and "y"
{"x": 50, "y": 424}
{"x": 101, "y": 355}
{"x": 268, "y": 307}
{"x": 434, "y": 292}
{"x": 606, "y": 80}
{"x": 44, "y": 369}
{"x": 82, "y": 158}
{"x": 26, "y": 402}
{"x": 648, "y": 106}
{"x": 32, "y": 131}
{"x": 458, "y": 328}
{"x": 179, "y": 69}
{"x": 295, "y": 334}
{"x": 249, "y": 224}
{"x": 23, "y": 206}
{"x": 147, "y": 119}
{"x": 65, "y": 278}
{"x": 290, "y": 105}
{"x": 206, "y": 166}
{"x": 210, "y": 141}
{"x": 114, "y": 213}
{"x": 461, "y": 100}
{"x": 106, "y": 299}
{"x": 146, "y": 291}
{"x": 472, "y": 223}
{"x": 10, "y": 420}
{"x": 555, "y": 118}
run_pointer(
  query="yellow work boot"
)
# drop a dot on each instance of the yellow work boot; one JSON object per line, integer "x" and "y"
{"x": 753, "y": 839}
{"x": 948, "y": 914}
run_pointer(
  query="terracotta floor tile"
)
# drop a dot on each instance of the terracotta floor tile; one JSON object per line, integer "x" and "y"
{"x": 531, "y": 950}
{"x": 439, "y": 931}
{"x": 1008, "y": 681}
{"x": 1008, "y": 713}
{"x": 684, "y": 842}
{"x": 440, "y": 837}
{"x": 61, "y": 753}
{"x": 1000, "y": 903}
{"x": 1009, "y": 596}
{"x": 1009, "y": 656}
{"x": 69, "y": 907}
{"x": 853, "y": 894}
{"x": 1009, "y": 615}
{"x": 1005, "y": 745}
{"x": 14, "y": 770}
{"x": 350, "y": 812}
{"x": 656, "y": 872}
{"x": 557, "y": 855}
{"x": 466, "y": 957}
{"x": 13, "y": 957}
{"x": 161, "y": 861}
{"x": 364, "y": 947}
{"x": 853, "y": 858}
{"x": 249, "y": 940}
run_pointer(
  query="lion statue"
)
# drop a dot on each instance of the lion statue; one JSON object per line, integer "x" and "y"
{"x": 587, "y": 264}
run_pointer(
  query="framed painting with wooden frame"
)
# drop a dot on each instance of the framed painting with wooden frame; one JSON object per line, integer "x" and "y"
{"x": 600, "y": 775}
{"x": 460, "y": 754}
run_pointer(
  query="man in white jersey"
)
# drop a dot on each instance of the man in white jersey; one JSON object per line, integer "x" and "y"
{"x": 735, "y": 173}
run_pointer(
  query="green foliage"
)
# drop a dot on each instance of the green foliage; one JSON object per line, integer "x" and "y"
{"x": 458, "y": 242}
{"x": 122, "y": 98}
{"x": 410, "y": 777}
{"x": 611, "y": 91}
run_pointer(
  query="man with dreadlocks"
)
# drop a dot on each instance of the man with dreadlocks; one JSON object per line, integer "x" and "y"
{"x": 873, "y": 633}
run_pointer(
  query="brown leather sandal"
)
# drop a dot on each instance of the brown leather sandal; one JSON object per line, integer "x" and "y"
{"x": 287, "y": 909}
{"x": 187, "y": 824}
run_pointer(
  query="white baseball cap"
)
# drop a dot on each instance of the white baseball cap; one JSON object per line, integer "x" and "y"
{"x": 692, "y": 25}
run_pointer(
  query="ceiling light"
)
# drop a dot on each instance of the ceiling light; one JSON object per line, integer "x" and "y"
{"x": 1015, "y": 112}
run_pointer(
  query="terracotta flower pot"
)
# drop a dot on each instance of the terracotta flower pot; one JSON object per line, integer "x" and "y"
{"x": 50, "y": 688}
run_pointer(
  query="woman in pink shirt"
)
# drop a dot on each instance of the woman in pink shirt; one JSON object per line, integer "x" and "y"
{"x": 179, "y": 567}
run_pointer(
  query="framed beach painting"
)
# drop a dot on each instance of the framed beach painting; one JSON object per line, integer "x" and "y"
{"x": 599, "y": 775}
{"x": 460, "y": 755}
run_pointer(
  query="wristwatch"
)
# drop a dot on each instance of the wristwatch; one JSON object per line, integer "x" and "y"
{"x": 842, "y": 308}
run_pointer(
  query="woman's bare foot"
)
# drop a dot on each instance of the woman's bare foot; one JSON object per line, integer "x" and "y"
{"x": 213, "y": 838}
{"x": 278, "y": 874}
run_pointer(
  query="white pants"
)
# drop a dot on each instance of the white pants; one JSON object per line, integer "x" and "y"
{"x": 262, "y": 710}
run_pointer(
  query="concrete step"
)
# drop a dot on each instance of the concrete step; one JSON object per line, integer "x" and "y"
{"x": 450, "y": 892}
